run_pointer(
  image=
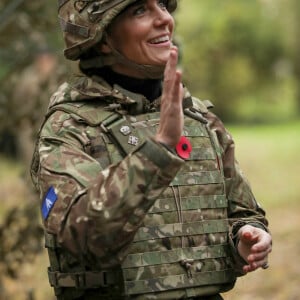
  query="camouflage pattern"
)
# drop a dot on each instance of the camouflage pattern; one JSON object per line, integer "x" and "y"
{"x": 131, "y": 217}
{"x": 84, "y": 22}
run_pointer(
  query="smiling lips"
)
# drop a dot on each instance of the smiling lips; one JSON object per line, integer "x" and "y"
{"x": 160, "y": 40}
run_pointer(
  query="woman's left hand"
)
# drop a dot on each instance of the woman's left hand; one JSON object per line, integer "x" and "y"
{"x": 254, "y": 246}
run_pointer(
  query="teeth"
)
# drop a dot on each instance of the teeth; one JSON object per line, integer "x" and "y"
{"x": 160, "y": 40}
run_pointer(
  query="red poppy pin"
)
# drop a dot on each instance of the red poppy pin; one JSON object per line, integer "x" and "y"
{"x": 184, "y": 148}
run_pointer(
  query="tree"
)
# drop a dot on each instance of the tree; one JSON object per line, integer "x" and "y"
{"x": 26, "y": 27}
{"x": 232, "y": 51}
{"x": 26, "y": 75}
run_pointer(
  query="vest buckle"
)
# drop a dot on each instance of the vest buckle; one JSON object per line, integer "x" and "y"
{"x": 187, "y": 263}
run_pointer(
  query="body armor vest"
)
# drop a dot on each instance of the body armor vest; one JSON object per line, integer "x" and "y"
{"x": 183, "y": 241}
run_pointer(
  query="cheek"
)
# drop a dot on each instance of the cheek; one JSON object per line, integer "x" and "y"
{"x": 132, "y": 43}
{"x": 124, "y": 39}
{"x": 131, "y": 38}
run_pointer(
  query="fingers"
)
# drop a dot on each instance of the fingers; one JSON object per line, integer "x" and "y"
{"x": 248, "y": 237}
{"x": 171, "y": 114}
{"x": 252, "y": 266}
{"x": 259, "y": 256}
{"x": 258, "y": 260}
{"x": 262, "y": 241}
{"x": 262, "y": 246}
{"x": 170, "y": 70}
{"x": 259, "y": 244}
{"x": 172, "y": 87}
{"x": 257, "y": 237}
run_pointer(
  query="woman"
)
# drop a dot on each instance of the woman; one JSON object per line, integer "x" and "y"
{"x": 141, "y": 194}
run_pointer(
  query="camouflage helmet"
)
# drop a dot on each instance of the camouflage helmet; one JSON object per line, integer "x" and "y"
{"x": 84, "y": 21}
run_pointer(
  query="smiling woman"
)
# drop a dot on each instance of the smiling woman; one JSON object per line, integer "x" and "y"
{"x": 141, "y": 197}
{"x": 143, "y": 34}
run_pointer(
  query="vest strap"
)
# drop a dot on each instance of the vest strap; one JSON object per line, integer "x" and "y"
{"x": 198, "y": 178}
{"x": 50, "y": 241}
{"x": 181, "y": 229}
{"x": 182, "y": 281}
{"x": 83, "y": 280}
{"x": 190, "y": 203}
{"x": 175, "y": 255}
{"x": 52, "y": 246}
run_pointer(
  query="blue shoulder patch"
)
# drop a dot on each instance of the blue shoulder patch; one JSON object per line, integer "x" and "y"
{"x": 48, "y": 202}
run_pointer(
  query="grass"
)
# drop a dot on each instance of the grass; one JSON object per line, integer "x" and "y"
{"x": 269, "y": 156}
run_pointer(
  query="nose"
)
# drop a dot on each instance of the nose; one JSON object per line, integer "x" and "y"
{"x": 162, "y": 16}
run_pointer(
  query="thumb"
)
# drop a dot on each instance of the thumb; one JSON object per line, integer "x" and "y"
{"x": 249, "y": 237}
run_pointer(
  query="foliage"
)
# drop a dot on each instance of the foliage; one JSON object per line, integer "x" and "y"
{"x": 236, "y": 54}
{"x": 26, "y": 27}
{"x": 28, "y": 30}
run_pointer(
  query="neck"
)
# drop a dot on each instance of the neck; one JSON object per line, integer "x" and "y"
{"x": 150, "y": 88}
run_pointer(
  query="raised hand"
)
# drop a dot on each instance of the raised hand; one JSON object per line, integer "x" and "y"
{"x": 171, "y": 116}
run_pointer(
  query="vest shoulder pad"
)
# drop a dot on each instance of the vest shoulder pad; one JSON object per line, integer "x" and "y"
{"x": 91, "y": 113}
{"x": 198, "y": 105}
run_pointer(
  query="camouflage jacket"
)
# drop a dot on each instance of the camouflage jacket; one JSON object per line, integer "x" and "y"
{"x": 93, "y": 201}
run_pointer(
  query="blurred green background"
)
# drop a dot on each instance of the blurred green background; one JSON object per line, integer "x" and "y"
{"x": 242, "y": 55}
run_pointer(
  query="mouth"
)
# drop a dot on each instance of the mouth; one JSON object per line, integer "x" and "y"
{"x": 160, "y": 40}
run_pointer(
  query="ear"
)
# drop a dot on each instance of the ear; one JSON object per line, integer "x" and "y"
{"x": 105, "y": 45}
{"x": 105, "y": 48}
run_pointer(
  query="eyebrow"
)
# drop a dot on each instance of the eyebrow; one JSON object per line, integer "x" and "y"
{"x": 132, "y": 5}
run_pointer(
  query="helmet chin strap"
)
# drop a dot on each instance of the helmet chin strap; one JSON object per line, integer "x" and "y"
{"x": 144, "y": 71}
{"x": 115, "y": 57}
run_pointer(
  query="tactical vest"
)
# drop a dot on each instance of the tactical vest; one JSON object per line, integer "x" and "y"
{"x": 183, "y": 241}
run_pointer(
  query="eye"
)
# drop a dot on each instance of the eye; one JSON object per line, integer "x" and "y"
{"x": 163, "y": 3}
{"x": 138, "y": 10}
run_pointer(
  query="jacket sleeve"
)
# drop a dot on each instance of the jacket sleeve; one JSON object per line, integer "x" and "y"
{"x": 95, "y": 212}
{"x": 242, "y": 206}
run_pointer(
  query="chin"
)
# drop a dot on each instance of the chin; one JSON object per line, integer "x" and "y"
{"x": 160, "y": 62}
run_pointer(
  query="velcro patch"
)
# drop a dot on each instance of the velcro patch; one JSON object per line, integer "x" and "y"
{"x": 48, "y": 202}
